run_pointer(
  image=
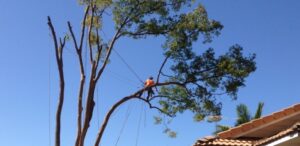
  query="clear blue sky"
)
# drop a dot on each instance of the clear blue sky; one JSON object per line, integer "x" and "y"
{"x": 268, "y": 28}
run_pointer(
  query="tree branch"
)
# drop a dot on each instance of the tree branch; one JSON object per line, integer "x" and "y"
{"x": 161, "y": 67}
{"x": 169, "y": 76}
{"x": 136, "y": 95}
{"x": 82, "y": 73}
{"x": 83, "y": 27}
{"x": 151, "y": 106}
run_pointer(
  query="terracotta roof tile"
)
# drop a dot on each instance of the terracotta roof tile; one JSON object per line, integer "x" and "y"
{"x": 222, "y": 142}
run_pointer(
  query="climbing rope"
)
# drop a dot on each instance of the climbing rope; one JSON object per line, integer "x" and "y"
{"x": 139, "y": 126}
{"x": 128, "y": 111}
{"x": 49, "y": 100}
{"x": 128, "y": 66}
{"x": 124, "y": 61}
{"x": 126, "y": 81}
{"x": 145, "y": 116}
{"x": 97, "y": 102}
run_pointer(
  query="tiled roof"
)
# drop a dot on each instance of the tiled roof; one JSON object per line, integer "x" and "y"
{"x": 258, "y": 132}
{"x": 293, "y": 129}
{"x": 265, "y": 126}
{"x": 222, "y": 142}
{"x": 215, "y": 141}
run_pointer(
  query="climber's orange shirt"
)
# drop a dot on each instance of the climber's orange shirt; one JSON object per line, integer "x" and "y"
{"x": 149, "y": 82}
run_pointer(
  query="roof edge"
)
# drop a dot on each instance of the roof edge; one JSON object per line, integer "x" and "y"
{"x": 260, "y": 123}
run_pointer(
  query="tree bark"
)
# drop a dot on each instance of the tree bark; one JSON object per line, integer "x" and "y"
{"x": 90, "y": 103}
{"x": 80, "y": 108}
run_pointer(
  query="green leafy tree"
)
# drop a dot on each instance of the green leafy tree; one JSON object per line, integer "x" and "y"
{"x": 194, "y": 79}
{"x": 243, "y": 116}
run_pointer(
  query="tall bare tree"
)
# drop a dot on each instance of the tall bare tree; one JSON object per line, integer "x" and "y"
{"x": 194, "y": 79}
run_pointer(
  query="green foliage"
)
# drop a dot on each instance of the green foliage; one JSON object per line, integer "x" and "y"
{"x": 67, "y": 37}
{"x": 221, "y": 128}
{"x": 95, "y": 21}
{"x": 201, "y": 77}
{"x": 98, "y": 3}
{"x": 198, "y": 117}
{"x": 204, "y": 77}
{"x": 157, "y": 120}
{"x": 179, "y": 97}
{"x": 152, "y": 17}
{"x": 243, "y": 114}
{"x": 170, "y": 133}
{"x": 93, "y": 39}
{"x": 259, "y": 110}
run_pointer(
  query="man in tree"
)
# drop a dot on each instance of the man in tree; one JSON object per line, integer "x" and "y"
{"x": 149, "y": 82}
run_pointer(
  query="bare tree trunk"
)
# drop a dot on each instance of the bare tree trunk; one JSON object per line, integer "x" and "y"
{"x": 59, "y": 60}
{"x": 89, "y": 106}
{"x": 94, "y": 78}
{"x": 58, "y": 112}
